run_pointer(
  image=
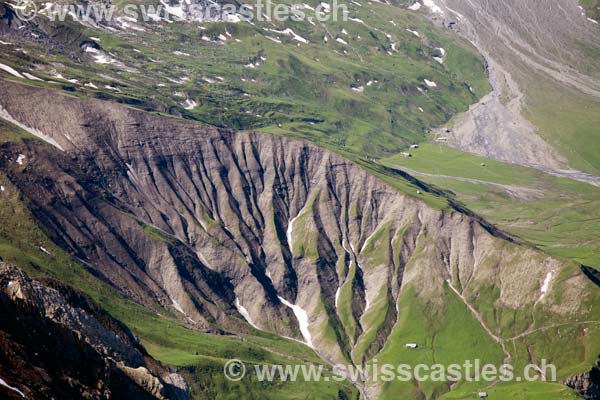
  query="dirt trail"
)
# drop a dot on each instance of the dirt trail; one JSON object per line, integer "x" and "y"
{"x": 475, "y": 313}
{"x": 518, "y": 192}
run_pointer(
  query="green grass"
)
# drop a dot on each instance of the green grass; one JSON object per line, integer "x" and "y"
{"x": 567, "y": 120}
{"x": 445, "y": 335}
{"x": 515, "y": 391}
{"x": 305, "y": 90}
{"x": 345, "y": 303}
{"x": 592, "y": 8}
{"x": 558, "y": 215}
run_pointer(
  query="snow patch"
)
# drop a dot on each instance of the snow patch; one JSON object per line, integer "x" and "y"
{"x": 415, "y": 7}
{"x": 32, "y": 77}
{"x": 592, "y": 20}
{"x": 342, "y": 41}
{"x": 417, "y": 34}
{"x": 244, "y": 312}
{"x": 289, "y": 32}
{"x": 367, "y": 240}
{"x": 179, "y": 81}
{"x": 177, "y": 306}
{"x": 290, "y": 231}
{"x": 190, "y": 104}
{"x": 358, "y": 89}
{"x": 546, "y": 285}
{"x": 10, "y": 70}
{"x": 5, "y": 115}
{"x": 44, "y": 250}
{"x": 14, "y": 389}
{"x": 302, "y": 317}
{"x": 102, "y": 59}
{"x": 440, "y": 59}
{"x": 20, "y": 159}
{"x": 432, "y": 6}
{"x": 430, "y": 83}
{"x": 273, "y": 39}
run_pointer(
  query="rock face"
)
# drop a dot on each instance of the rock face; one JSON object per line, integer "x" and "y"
{"x": 588, "y": 384}
{"x": 229, "y": 228}
{"x": 56, "y": 343}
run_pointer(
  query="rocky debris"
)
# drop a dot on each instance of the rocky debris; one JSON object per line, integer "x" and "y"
{"x": 518, "y": 52}
{"x": 56, "y": 343}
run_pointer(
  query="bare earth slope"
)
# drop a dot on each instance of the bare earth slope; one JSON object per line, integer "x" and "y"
{"x": 225, "y": 228}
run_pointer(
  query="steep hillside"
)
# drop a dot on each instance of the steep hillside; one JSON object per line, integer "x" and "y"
{"x": 357, "y": 84}
{"x": 56, "y": 343}
{"x": 542, "y": 58}
{"x": 233, "y": 230}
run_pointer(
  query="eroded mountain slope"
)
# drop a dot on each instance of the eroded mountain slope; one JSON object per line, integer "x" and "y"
{"x": 224, "y": 227}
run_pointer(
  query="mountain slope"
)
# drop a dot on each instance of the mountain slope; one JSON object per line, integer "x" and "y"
{"x": 229, "y": 227}
{"x": 211, "y": 242}
{"x": 57, "y": 343}
{"x": 362, "y": 93}
{"x": 542, "y": 60}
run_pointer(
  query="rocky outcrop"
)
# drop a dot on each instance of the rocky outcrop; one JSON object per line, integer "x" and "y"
{"x": 588, "y": 384}
{"x": 56, "y": 343}
{"x": 226, "y": 228}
